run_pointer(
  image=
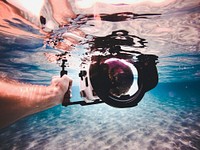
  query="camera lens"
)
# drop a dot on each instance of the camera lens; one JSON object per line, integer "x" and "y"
{"x": 120, "y": 76}
{"x": 116, "y": 80}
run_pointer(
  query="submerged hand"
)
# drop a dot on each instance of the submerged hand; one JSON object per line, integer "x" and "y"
{"x": 18, "y": 100}
{"x": 60, "y": 86}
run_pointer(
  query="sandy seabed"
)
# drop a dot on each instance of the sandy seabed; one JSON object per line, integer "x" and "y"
{"x": 165, "y": 121}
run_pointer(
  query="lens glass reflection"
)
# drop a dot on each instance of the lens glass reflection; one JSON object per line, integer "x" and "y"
{"x": 121, "y": 76}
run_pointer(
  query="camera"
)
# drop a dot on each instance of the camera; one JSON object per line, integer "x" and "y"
{"x": 115, "y": 73}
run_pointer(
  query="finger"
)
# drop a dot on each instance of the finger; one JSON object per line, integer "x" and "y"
{"x": 78, "y": 32}
{"x": 68, "y": 92}
{"x": 73, "y": 35}
{"x": 70, "y": 41}
{"x": 66, "y": 81}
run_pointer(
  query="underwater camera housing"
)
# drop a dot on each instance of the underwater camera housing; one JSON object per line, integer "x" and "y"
{"x": 118, "y": 77}
{"x": 118, "y": 80}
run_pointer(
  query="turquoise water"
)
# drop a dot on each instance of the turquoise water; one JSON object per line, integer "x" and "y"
{"x": 168, "y": 117}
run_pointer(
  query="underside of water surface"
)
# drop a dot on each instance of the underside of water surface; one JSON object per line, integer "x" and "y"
{"x": 33, "y": 43}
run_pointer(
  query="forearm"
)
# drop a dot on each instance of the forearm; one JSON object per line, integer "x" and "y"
{"x": 34, "y": 98}
{"x": 18, "y": 100}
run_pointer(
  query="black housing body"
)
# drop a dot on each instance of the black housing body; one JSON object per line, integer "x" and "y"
{"x": 147, "y": 79}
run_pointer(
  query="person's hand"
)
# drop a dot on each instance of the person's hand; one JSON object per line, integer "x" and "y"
{"x": 61, "y": 11}
{"x": 59, "y": 86}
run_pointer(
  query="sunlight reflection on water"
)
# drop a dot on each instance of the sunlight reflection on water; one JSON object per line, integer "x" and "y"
{"x": 175, "y": 31}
